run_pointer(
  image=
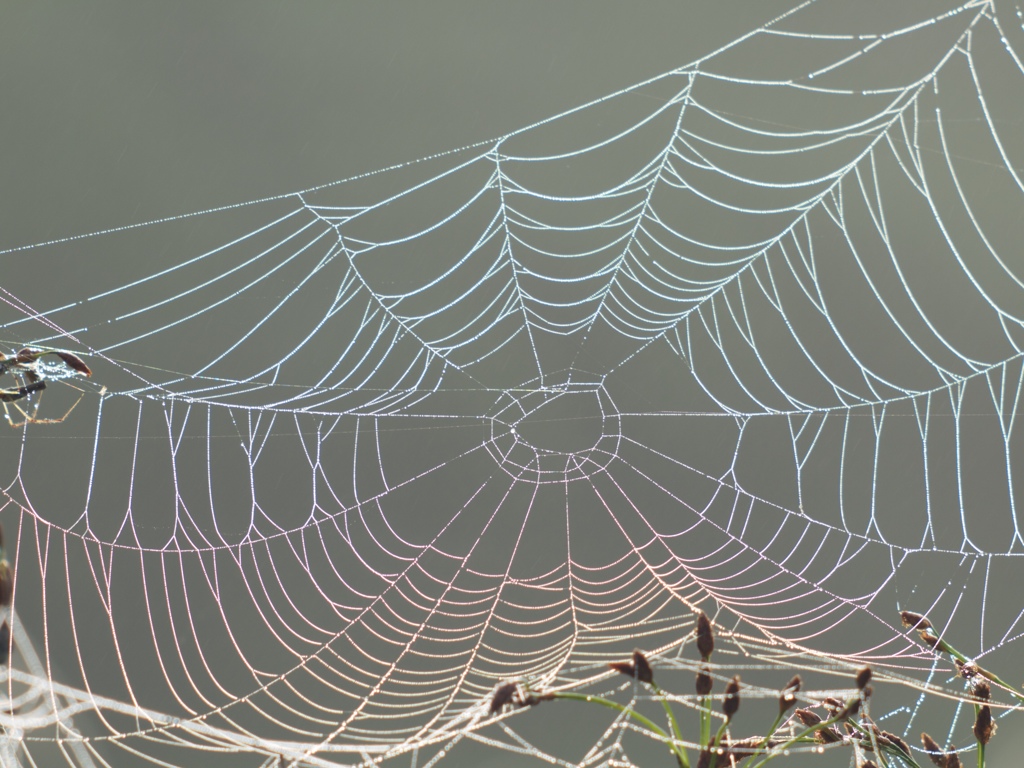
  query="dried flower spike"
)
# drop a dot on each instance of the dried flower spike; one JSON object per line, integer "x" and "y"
{"x": 911, "y": 620}
{"x": 827, "y": 736}
{"x": 732, "y": 698}
{"x": 625, "y": 667}
{"x": 984, "y": 725}
{"x": 833, "y": 705}
{"x": 854, "y": 706}
{"x": 704, "y": 682}
{"x": 644, "y": 673}
{"x": 74, "y": 362}
{"x": 928, "y": 638}
{"x": 705, "y": 637}
{"x": 807, "y": 717}
{"x": 503, "y": 695}
{"x": 935, "y": 753}
{"x": 896, "y": 741}
{"x": 639, "y": 668}
{"x": 743, "y": 748}
{"x": 6, "y": 583}
{"x": 863, "y": 678}
{"x": 788, "y": 696}
{"x": 982, "y": 689}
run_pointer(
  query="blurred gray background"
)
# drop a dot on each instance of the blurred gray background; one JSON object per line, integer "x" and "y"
{"x": 113, "y": 113}
{"x": 119, "y": 112}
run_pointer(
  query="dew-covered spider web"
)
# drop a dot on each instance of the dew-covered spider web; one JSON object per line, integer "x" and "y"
{"x": 745, "y": 338}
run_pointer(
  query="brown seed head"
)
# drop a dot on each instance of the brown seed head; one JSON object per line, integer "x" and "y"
{"x": 807, "y": 717}
{"x": 644, "y": 673}
{"x": 852, "y": 708}
{"x": 6, "y": 583}
{"x": 896, "y": 741}
{"x": 732, "y": 698}
{"x": 625, "y": 667}
{"x": 28, "y": 355}
{"x": 868, "y": 764}
{"x": 742, "y": 748}
{"x": 5, "y": 644}
{"x": 982, "y": 689}
{"x": 74, "y": 362}
{"x": 704, "y": 682}
{"x": 934, "y": 751}
{"x": 788, "y": 696}
{"x": 863, "y": 677}
{"x": 705, "y": 636}
{"x": 928, "y": 638}
{"x": 638, "y": 668}
{"x": 873, "y": 732}
{"x": 953, "y": 760}
{"x": 912, "y": 620}
{"x": 984, "y": 725}
{"x": 827, "y": 736}
{"x": 833, "y": 705}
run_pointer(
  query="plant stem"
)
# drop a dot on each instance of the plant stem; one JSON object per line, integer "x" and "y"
{"x": 880, "y": 749}
{"x": 767, "y": 737}
{"x": 981, "y": 747}
{"x": 805, "y": 735}
{"x": 650, "y": 725}
{"x": 705, "y": 720}
{"x": 718, "y": 741}
{"x": 838, "y": 717}
{"x": 677, "y": 747}
{"x": 942, "y": 646}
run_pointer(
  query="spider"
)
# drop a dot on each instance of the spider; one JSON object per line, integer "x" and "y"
{"x": 519, "y": 695}
{"x": 31, "y": 377}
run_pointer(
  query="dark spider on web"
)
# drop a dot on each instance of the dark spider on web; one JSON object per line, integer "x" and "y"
{"x": 30, "y": 376}
{"x": 516, "y": 694}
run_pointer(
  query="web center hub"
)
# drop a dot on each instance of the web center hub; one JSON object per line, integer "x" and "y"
{"x": 554, "y": 433}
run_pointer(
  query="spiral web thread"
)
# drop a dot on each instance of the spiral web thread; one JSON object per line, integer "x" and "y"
{"x": 745, "y": 337}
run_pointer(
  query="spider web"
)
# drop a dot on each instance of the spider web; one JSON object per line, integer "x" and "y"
{"x": 745, "y": 337}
